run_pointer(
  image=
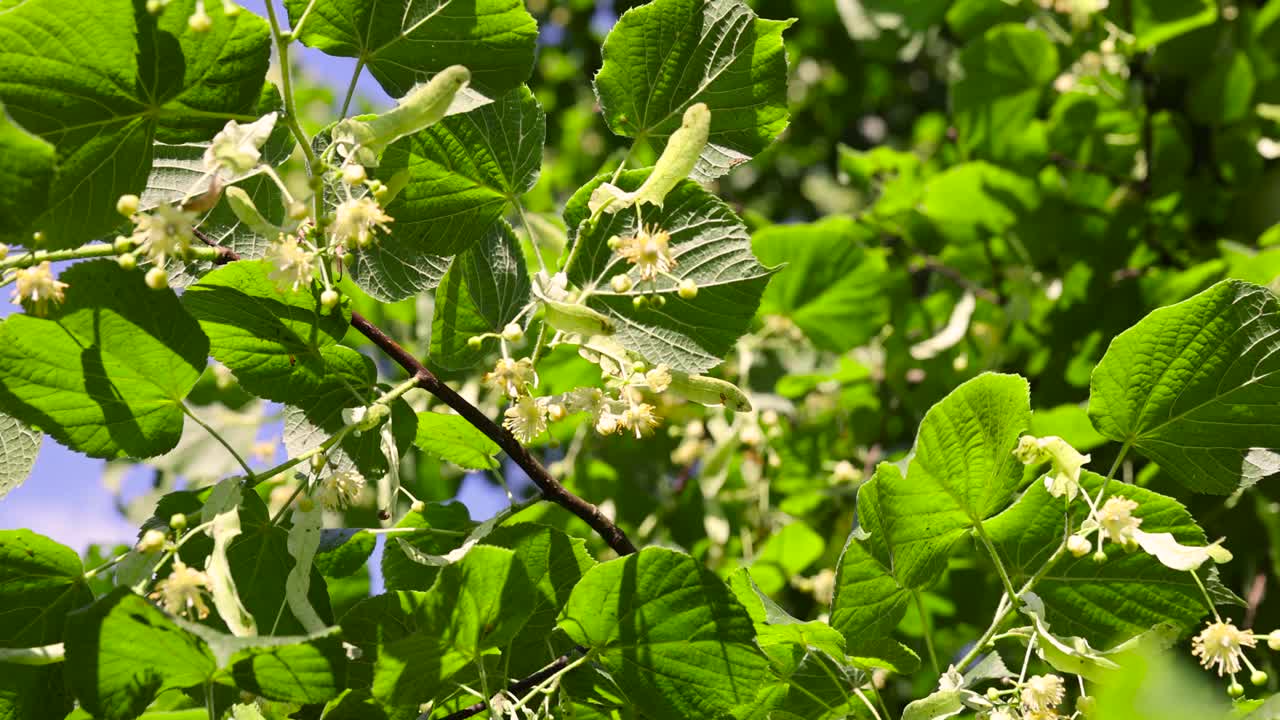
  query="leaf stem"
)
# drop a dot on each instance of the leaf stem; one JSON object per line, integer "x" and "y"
{"x": 296, "y": 30}
{"x": 1000, "y": 568}
{"x": 928, "y": 631}
{"x": 351, "y": 87}
{"x": 221, "y": 440}
{"x": 106, "y": 565}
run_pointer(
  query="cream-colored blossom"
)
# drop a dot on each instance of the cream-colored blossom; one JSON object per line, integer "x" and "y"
{"x": 292, "y": 265}
{"x": 639, "y": 418}
{"x": 511, "y": 376}
{"x": 183, "y": 591}
{"x": 1222, "y": 644}
{"x": 1064, "y": 478}
{"x": 526, "y": 419}
{"x": 238, "y": 147}
{"x": 649, "y": 251}
{"x": 1117, "y": 521}
{"x": 1042, "y": 692}
{"x": 37, "y": 289}
{"x": 659, "y": 378}
{"x": 340, "y": 489}
{"x": 164, "y": 232}
{"x": 355, "y": 220}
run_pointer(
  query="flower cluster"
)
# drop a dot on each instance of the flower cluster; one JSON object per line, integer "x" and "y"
{"x": 355, "y": 221}
{"x": 339, "y": 490}
{"x": 199, "y": 20}
{"x": 183, "y": 591}
{"x": 36, "y": 289}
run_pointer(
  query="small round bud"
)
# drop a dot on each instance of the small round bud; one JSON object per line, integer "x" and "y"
{"x": 607, "y": 425}
{"x": 128, "y": 261}
{"x": 230, "y": 9}
{"x": 640, "y": 302}
{"x": 318, "y": 463}
{"x": 639, "y": 366}
{"x": 127, "y": 205}
{"x": 178, "y": 522}
{"x": 1273, "y": 640}
{"x": 418, "y": 507}
{"x": 1100, "y": 557}
{"x": 657, "y": 301}
{"x": 157, "y": 278}
{"x": 353, "y": 174}
{"x": 1235, "y": 690}
{"x": 1086, "y": 705}
{"x": 152, "y": 540}
{"x": 615, "y": 242}
{"x": 347, "y": 258}
{"x": 298, "y": 211}
{"x": 329, "y": 299}
{"x": 154, "y": 6}
{"x": 621, "y": 283}
{"x": 306, "y": 504}
{"x": 512, "y": 333}
{"x": 377, "y": 187}
{"x": 38, "y": 237}
{"x": 688, "y": 289}
{"x": 1078, "y": 545}
{"x": 1258, "y": 678}
{"x": 475, "y": 342}
{"x": 4, "y": 251}
{"x": 122, "y": 244}
{"x": 993, "y": 694}
{"x": 556, "y": 412}
{"x": 200, "y": 22}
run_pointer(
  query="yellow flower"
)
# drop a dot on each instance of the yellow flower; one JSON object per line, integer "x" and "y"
{"x": 292, "y": 264}
{"x": 511, "y": 376}
{"x": 1117, "y": 521}
{"x": 166, "y": 231}
{"x": 1222, "y": 644}
{"x": 658, "y": 379}
{"x": 355, "y": 220}
{"x": 340, "y": 489}
{"x": 1041, "y": 693}
{"x": 183, "y": 591}
{"x": 639, "y": 418}
{"x": 36, "y": 288}
{"x": 526, "y": 419}
{"x": 649, "y": 251}
{"x": 236, "y": 146}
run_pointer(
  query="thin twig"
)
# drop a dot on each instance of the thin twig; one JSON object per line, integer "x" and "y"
{"x": 518, "y": 687}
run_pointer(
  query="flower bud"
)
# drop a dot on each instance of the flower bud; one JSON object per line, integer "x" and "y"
{"x": 178, "y": 522}
{"x": 418, "y": 507}
{"x": 38, "y": 237}
{"x": 155, "y": 6}
{"x": 475, "y": 342}
{"x": 298, "y": 211}
{"x": 128, "y": 261}
{"x": 621, "y": 283}
{"x": 512, "y": 333}
{"x": 122, "y": 244}
{"x": 555, "y": 411}
{"x": 640, "y": 302}
{"x": 688, "y": 289}
{"x": 318, "y": 463}
{"x": 353, "y": 174}
{"x": 329, "y": 299}
{"x": 157, "y": 278}
{"x": 658, "y": 301}
{"x": 1086, "y": 705}
{"x": 1078, "y": 545}
{"x": 1258, "y": 678}
{"x": 127, "y": 205}
{"x": 4, "y": 251}
{"x": 152, "y": 540}
{"x": 1100, "y": 557}
{"x": 1235, "y": 690}
{"x": 1273, "y": 640}
{"x": 306, "y": 504}
{"x": 200, "y": 21}
{"x": 614, "y": 242}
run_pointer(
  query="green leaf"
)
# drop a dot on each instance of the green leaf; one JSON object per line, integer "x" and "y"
{"x": 122, "y": 652}
{"x": 403, "y": 42}
{"x": 1191, "y": 387}
{"x": 399, "y": 571}
{"x": 969, "y": 202}
{"x": 785, "y": 554}
{"x": 663, "y": 56}
{"x": 300, "y": 668}
{"x": 833, "y": 287}
{"x": 277, "y": 342}
{"x": 1157, "y": 21}
{"x": 19, "y": 446}
{"x": 474, "y": 608}
{"x": 102, "y": 83}
{"x": 962, "y": 473}
{"x": 1223, "y": 92}
{"x": 869, "y": 601}
{"x": 365, "y": 452}
{"x": 554, "y": 563}
{"x": 487, "y": 286}
{"x": 343, "y": 551}
{"x": 40, "y": 582}
{"x": 671, "y": 634}
{"x": 1110, "y": 602}
{"x": 28, "y": 169}
{"x": 106, "y": 372}
{"x": 462, "y": 172}
{"x": 452, "y": 439}
{"x": 996, "y": 98}
{"x": 711, "y": 247}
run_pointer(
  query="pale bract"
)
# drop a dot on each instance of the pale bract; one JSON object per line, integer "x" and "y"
{"x": 238, "y": 148}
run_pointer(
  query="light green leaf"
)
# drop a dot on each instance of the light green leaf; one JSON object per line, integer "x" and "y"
{"x": 444, "y": 528}
{"x": 403, "y": 42}
{"x": 1157, "y": 21}
{"x": 996, "y": 98}
{"x": 711, "y": 247}
{"x": 833, "y": 286}
{"x": 19, "y": 446}
{"x": 462, "y": 173}
{"x": 1192, "y": 387}
{"x": 785, "y": 554}
{"x": 969, "y": 202}
{"x": 90, "y": 82}
{"x": 474, "y": 608}
{"x": 40, "y": 582}
{"x": 963, "y": 472}
{"x": 27, "y": 166}
{"x": 122, "y": 652}
{"x": 276, "y": 341}
{"x": 106, "y": 372}
{"x": 670, "y": 632}
{"x": 487, "y": 286}
{"x": 1110, "y": 602}
{"x": 299, "y": 668}
{"x": 452, "y": 439}
{"x": 663, "y": 56}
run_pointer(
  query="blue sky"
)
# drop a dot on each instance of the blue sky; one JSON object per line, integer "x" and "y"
{"x": 64, "y": 498}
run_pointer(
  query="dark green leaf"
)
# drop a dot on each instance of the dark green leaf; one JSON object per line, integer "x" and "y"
{"x": 996, "y": 98}
{"x": 485, "y": 289}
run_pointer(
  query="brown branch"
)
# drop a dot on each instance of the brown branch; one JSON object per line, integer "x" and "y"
{"x": 551, "y": 488}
